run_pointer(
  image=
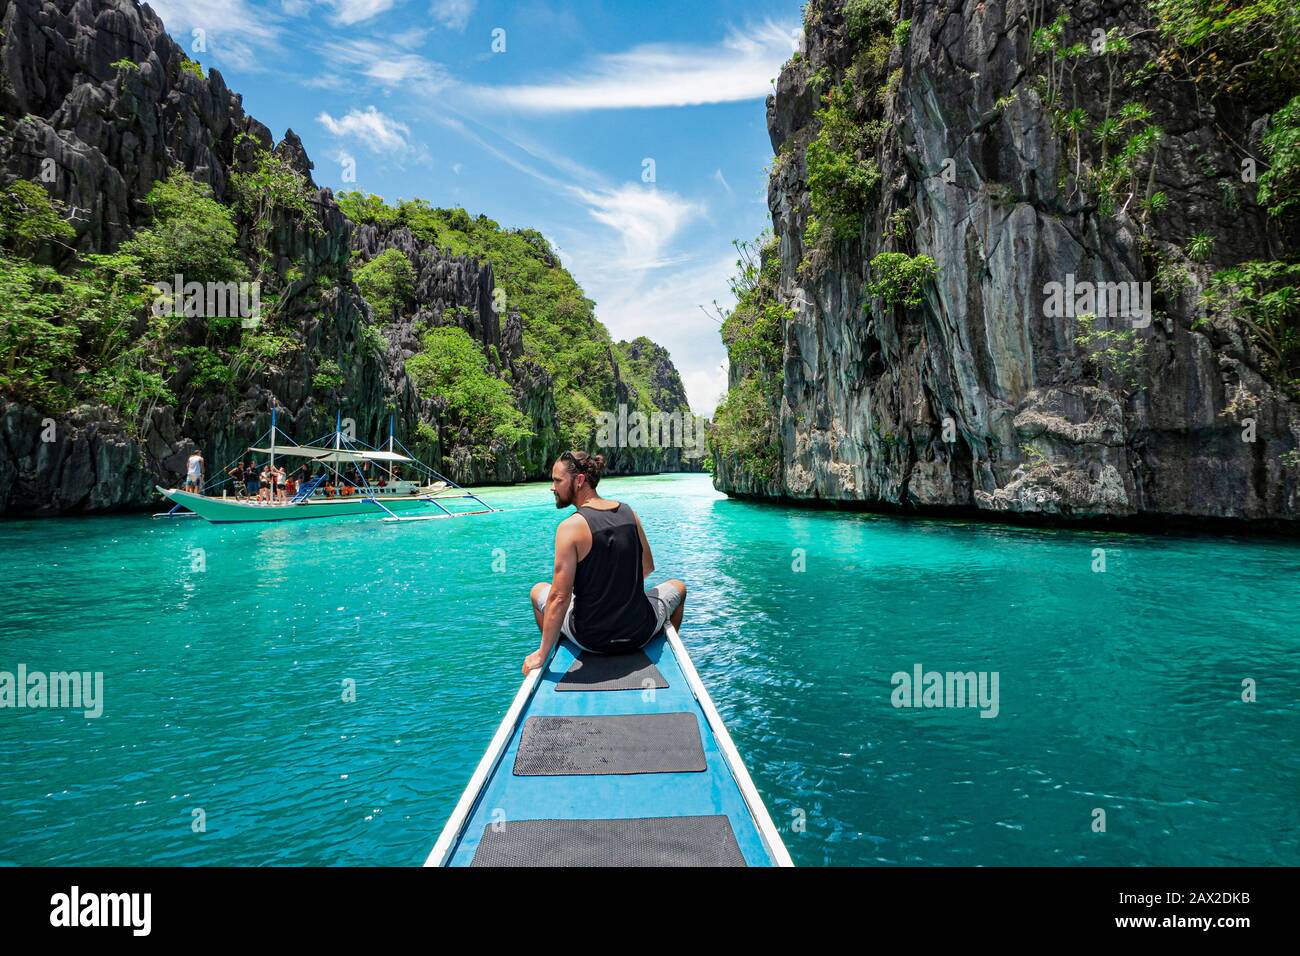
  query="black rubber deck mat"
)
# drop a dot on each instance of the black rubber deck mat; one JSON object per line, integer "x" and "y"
{"x": 612, "y": 672}
{"x": 647, "y": 841}
{"x": 626, "y": 743}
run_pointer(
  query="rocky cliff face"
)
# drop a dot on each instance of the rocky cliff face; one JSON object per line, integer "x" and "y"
{"x": 459, "y": 290}
{"x": 654, "y": 378}
{"x": 98, "y": 136}
{"x": 977, "y": 397}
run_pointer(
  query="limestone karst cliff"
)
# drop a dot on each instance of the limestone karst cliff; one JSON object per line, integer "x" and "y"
{"x": 97, "y": 106}
{"x": 939, "y": 166}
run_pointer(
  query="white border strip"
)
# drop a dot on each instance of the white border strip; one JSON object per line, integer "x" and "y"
{"x": 762, "y": 819}
{"x": 440, "y": 855}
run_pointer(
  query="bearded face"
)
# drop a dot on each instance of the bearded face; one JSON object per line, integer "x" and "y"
{"x": 564, "y": 486}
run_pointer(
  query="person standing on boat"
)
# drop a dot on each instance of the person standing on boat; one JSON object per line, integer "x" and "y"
{"x": 194, "y": 473}
{"x": 239, "y": 476}
{"x": 597, "y": 596}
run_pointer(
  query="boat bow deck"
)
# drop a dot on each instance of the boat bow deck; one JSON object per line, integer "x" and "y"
{"x": 611, "y": 818}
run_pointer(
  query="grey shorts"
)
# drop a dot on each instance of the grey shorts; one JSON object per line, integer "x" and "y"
{"x": 665, "y": 598}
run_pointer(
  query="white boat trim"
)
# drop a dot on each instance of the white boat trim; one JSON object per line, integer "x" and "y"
{"x": 246, "y": 511}
{"x": 757, "y": 809}
{"x": 442, "y": 850}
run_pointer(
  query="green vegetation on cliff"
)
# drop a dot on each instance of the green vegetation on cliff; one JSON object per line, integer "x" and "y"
{"x": 841, "y": 178}
{"x": 743, "y": 428}
{"x": 899, "y": 279}
{"x": 647, "y": 371}
{"x": 453, "y": 367}
{"x": 73, "y": 334}
{"x": 114, "y": 329}
{"x": 843, "y": 174}
{"x": 560, "y": 330}
{"x": 1231, "y": 48}
{"x": 745, "y": 423}
{"x": 1252, "y": 50}
{"x": 637, "y": 373}
{"x": 191, "y": 234}
{"x": 388, "y": 283}
{"x": 1279, "y": 185}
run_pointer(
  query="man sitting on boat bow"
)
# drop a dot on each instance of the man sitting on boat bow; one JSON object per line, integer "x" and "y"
{"x": 597, "y": 597}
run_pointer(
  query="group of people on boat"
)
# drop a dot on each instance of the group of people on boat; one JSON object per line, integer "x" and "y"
{"x": 270, "y": 484}
{"x": 273, "y": 485}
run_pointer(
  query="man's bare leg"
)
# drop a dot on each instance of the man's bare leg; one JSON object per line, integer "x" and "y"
{"x": 681, "y": 608}
{"x": 532, "y": 599}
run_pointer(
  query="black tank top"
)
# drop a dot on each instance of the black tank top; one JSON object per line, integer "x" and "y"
{"x": 610, "y": 607}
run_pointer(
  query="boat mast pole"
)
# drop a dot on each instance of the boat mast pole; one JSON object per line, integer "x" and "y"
{"x": 390, "y": 447}
{"x": 272, "y": 436}
{"x": 338, "y": 437}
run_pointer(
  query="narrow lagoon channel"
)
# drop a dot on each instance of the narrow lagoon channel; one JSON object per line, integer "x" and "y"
{"x": 227, "y": 652}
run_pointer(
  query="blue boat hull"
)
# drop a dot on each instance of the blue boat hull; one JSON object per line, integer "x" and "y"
{"x": 723, "y": 788}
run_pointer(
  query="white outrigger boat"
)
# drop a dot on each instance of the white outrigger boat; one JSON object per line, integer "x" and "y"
{"x": 611, "y": 760}
{"x": 331, "y": 492}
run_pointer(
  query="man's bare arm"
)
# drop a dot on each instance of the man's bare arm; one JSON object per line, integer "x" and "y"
{"x": 647, "y": 558}
{"x": 566, "y": 567}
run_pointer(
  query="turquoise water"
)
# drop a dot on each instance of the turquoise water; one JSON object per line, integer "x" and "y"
{"x": 224, "y": 686}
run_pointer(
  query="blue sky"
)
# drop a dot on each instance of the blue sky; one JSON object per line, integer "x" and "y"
{"x": 552, "y": 132}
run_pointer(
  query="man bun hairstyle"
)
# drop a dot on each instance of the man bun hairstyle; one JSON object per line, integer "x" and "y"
{"x": 581, "y": 463}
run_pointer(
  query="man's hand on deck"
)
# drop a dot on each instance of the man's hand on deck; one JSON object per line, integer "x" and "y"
{"x": 534, "y": 661}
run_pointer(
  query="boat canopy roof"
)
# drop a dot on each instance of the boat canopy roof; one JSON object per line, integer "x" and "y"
{"x": 332, "y": 454}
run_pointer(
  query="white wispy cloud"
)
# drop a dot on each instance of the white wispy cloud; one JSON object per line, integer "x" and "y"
{"x": 233, "y": 34}
{"x": 348, "y": 12}
{"x": 741, "y": 67}
{"x": 392, "y": 69}
{"x": 629, "y": 267}
{"x": 335, "y": 82}
{"x": 464, "y": 129}
{"x": 668, "y": 310}
{"x": 453, "y": 14}
{"x": 645, "y": 219}
{"x": 410, "y": 38}
{"x": 371, "y": 128}
{"x": 721, "y": 180}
